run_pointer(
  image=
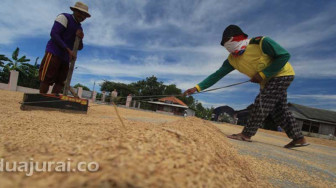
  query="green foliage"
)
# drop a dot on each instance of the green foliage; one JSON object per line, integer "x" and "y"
{"x": 149, "y": 87}
{"x": 28, "y": 74}
{"x": 224, "y": 117}
{"x": 83, "y": 86}
{"x": 15, "y": 63}
{"x": 188, "y": 100}
{"x": 99, "y": 96}
{"x": 172, "y": 90}
{"x": 4, "y": 75}
{"x": 204, "y": 113}
{"x": 3, "y": 59}
{"x": 16, "y": 54}
{"x": 123, "y": 89}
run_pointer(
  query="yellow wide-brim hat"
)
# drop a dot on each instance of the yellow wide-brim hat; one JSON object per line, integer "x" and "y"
{"x": 81, "y": 7}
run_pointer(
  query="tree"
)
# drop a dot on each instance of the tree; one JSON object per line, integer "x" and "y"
{"x": 30, "y": 77}
{"x": 28, "y": 74}
{"x": 3, "y": 59}
{"x": 123, "y": 89}
{"x": 35, "y": 71}
{"x": 201, "y": 112}
{"x": 172, "y": 90}
{"x": 4, "y": 74}
{"x": 224, "y": 117}
{"x": 15, "y": 63}
{"x": 188, "y": 100}
{"x": 149, "y": 87}
{"x": 83, "y": 86}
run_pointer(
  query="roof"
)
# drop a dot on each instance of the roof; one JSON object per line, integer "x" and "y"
{"x": 167, "y": 104}
{"x": 222, "y": 109}
{"x": 174, "y": 100}
{"x": 298, "y": 115}
{"x": 314, "y": 113}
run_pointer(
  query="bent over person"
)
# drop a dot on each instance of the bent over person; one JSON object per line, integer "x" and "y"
{"x": 266, "y": 63}
{"x": 55, "y": 64}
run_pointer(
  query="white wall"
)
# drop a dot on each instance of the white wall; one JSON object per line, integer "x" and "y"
{"x": 326, "y": 129}
{"x": 3, "y": 86}
{"x": 190, "y": 112}
{"x": 27, "y": 90}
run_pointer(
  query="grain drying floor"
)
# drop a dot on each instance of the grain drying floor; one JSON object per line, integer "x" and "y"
{"x": 153, "y": 150}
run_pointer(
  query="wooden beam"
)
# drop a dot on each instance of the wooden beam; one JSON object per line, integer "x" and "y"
{"x": 70, "y": 72}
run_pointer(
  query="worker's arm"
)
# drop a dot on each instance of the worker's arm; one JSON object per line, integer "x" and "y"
{"x": 279, "y": 56}
{"x": 80, "y": 47}
{"x": 58, "y": 28}
{"x": 215, "y": 77}
{"x": 80, "y": 34}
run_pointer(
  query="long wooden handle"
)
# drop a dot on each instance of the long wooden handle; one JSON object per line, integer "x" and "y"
{"x": 73, "y": 92}
{"x": 71, "y": 68}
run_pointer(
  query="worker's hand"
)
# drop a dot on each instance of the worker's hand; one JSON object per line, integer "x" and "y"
{"x": 256, "y": 78}
{"x": 190, "y": 91}
{"x": 72, "y": 56}
{"x": 80, "y": 34}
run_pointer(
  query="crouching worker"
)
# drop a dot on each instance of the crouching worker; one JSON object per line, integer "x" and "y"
{"x": 266, "y": 63}
{"x": 55, "y": 64}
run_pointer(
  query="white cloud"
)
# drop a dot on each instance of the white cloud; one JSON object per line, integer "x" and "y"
{"x": 20, "y": 19}
{"x": 308, "y": 31}
{"x": 316, "y": 97}
{"x": 315, "y": 68}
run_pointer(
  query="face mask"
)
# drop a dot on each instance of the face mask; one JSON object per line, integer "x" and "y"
{"x": 237, "y": 45}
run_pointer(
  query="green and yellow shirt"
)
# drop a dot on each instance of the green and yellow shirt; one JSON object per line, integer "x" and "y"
{"x": 262, "y": 55}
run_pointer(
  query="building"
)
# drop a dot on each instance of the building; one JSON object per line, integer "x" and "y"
{"x": 224, "y": 114}
{"x": 314, "y": 120}
{"x": 173, "y": 106}
{"x": 242, "y": 116}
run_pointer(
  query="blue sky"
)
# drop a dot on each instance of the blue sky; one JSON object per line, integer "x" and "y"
{"x": 178, "y": 42}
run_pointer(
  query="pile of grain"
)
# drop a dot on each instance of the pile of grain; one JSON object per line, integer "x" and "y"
{"x": 182, "y": 153}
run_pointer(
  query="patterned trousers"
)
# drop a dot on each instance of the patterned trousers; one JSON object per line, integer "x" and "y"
{"x": 272, "y": 100}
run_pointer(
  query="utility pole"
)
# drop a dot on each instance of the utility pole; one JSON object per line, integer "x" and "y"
{"x": 94, "y": 84}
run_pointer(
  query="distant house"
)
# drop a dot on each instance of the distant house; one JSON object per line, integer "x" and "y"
{"x": 242, "y": 116}
{"x": 314, "y": 120}
{"x": 173, "y": 106}
{"x": 224, "y": 114}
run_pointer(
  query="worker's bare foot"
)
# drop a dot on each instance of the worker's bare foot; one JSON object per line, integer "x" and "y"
{"x": 297, "y": 143}
{"x": 240, "y": 137}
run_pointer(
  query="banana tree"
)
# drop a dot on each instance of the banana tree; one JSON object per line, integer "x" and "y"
{"x": 33, "y": 70}
{"x": 3, "y": 59}
{"x": 28, "y": 74}
{"x": 16, "y": 62}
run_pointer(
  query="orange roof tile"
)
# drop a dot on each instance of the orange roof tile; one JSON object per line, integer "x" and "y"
{"x": 174, "y": 100}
